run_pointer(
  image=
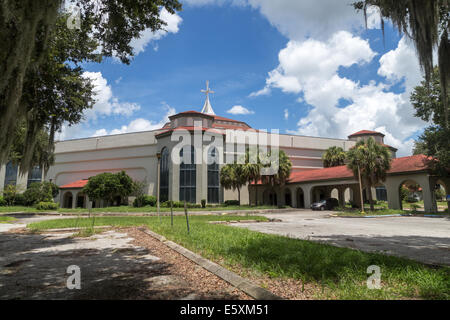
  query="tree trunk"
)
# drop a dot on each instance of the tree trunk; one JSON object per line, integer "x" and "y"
{"x": 370, "y": 199}
{"x": 19, "y": 26}
{"x": 256, "y": 196}
{"x": 239, "y": 195}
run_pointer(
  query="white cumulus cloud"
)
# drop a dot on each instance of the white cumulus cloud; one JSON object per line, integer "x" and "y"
{"x": 370, "y": 106}
{"x": 106, "y": 103}
{"x": 240, "y": 110}
{"x": 139, "y": 124}
{"x": 147, "y": 36}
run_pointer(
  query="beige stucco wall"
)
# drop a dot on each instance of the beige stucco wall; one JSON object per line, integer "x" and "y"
{"x": 136, "y": 154}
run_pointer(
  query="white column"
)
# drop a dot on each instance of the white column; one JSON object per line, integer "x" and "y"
{"x": 293, "y": 196}
{"x": 74, "y": 199}
{"x": 307, "y": 195}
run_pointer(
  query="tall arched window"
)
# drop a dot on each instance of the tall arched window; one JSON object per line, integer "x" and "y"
{"x": 35, "y": 175}
{"x": 11, "y": 174}
{"x": 164, "y": 176}
{"x": 213, "y": 176}
{"x": 188, "y": 173}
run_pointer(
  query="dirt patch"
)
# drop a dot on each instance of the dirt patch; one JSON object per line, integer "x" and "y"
{"x": 202, "y": 281}
{"x": 115, "y": 264}
{"x": 287, "y": 288}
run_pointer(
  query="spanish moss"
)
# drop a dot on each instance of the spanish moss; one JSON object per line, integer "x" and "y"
{"x": 426, "y": 22}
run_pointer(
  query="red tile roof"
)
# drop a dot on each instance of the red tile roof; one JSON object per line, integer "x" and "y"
{"x": 208, "y": 115}
{"x": 75, "y": 185}
{"x": 364, "y": 132}
{"x": 409, "y": 164}
{"x": 398, "y": 165}
{"x": 227, "y": 119}
{"x": 189, "y": 128}
{"x": 231, "y": 126}
{"x": 340, "y": 172}
{"x": 390, "y": 147}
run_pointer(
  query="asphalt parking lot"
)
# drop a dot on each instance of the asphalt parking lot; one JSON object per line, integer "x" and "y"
{"x": 418, "y": 238}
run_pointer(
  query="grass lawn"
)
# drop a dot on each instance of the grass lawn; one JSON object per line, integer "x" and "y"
{"x": 339, "y": 273}
{"x": 133, "y": 209}
{"x": 6, "y": 219}
{"x": 7, "y": 209}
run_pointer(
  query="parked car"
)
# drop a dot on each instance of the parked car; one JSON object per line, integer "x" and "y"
{"x": 327, "y": 204}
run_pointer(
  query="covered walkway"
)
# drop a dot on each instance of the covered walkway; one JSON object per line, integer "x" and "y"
{"x": 305, "y": 187}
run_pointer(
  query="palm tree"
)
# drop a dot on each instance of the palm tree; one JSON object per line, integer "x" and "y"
{"x": 253, "y": 170}
{"x": 233, "y": 176}
{"x": 283, "y": 173}
{"x": 333, "y": 156}
{"x": 372, "y": 160}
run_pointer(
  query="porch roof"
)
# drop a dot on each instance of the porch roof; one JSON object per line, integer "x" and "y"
{"x": 75, "y": 185}
{"x": 398, "y": 165}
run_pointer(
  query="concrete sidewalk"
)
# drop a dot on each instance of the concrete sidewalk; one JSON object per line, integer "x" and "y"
{"x": 418, "y": 238}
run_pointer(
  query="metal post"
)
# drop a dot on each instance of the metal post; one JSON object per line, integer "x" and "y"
{"x": 360, "y": 190}
{"x": 171, "y": 213}
{"x": 158, "y": 155}
{"x": 186, "y": 214}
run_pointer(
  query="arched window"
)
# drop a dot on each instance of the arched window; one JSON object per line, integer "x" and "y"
{"x": 11, "y": 174}
{"x": 213, "y": 176}
{"x": 164, "y": 176}
{"x": 188, "y": 173}
{"x": 35, "y": 175}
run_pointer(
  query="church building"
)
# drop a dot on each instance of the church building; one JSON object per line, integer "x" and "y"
{"x": 148, "y": 156}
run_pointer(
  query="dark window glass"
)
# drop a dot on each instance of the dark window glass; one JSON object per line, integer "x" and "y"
{"x": 35, "y": 175}
{"x": 11, "y": 174}
{"x": 213, "y": 177}
{"x": 164, "y": 176}
{"x": 188, "y": 173}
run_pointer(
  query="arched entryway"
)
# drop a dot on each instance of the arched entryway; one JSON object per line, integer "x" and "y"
{"x": 442, "y": 189}
{"x": 270, "y": 197}
{"x": 287, "y": 197}
{"x": 318, "y": 193}
{"x": 410, "y": 193}
{"x": 67, "y": 199}
{"x": 300, "y": 198}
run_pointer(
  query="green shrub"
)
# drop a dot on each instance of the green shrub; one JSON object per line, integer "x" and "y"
{"x": 203, "y": 203}
{"x": 40, "y": 192}
{"x": 178, "y": 204}
{"x": 404, "y": 193}
{"x": 19, "y": 200}
{"x": 231, "y": 203}
{"x": 47, "y": 206}
{"x": 440, "y": 194}
{"x": 2, "y": 201}
{"x": 142, "y": 201}
{"x": 165, "y": 204}
{"x": 414, "y": 207}
{"x": 9, "y": 194}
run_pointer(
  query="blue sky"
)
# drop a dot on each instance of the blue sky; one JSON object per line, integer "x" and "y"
{"x": 303, "y": 67}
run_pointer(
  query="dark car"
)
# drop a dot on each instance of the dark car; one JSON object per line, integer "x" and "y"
{"x": 327, "y": 204}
